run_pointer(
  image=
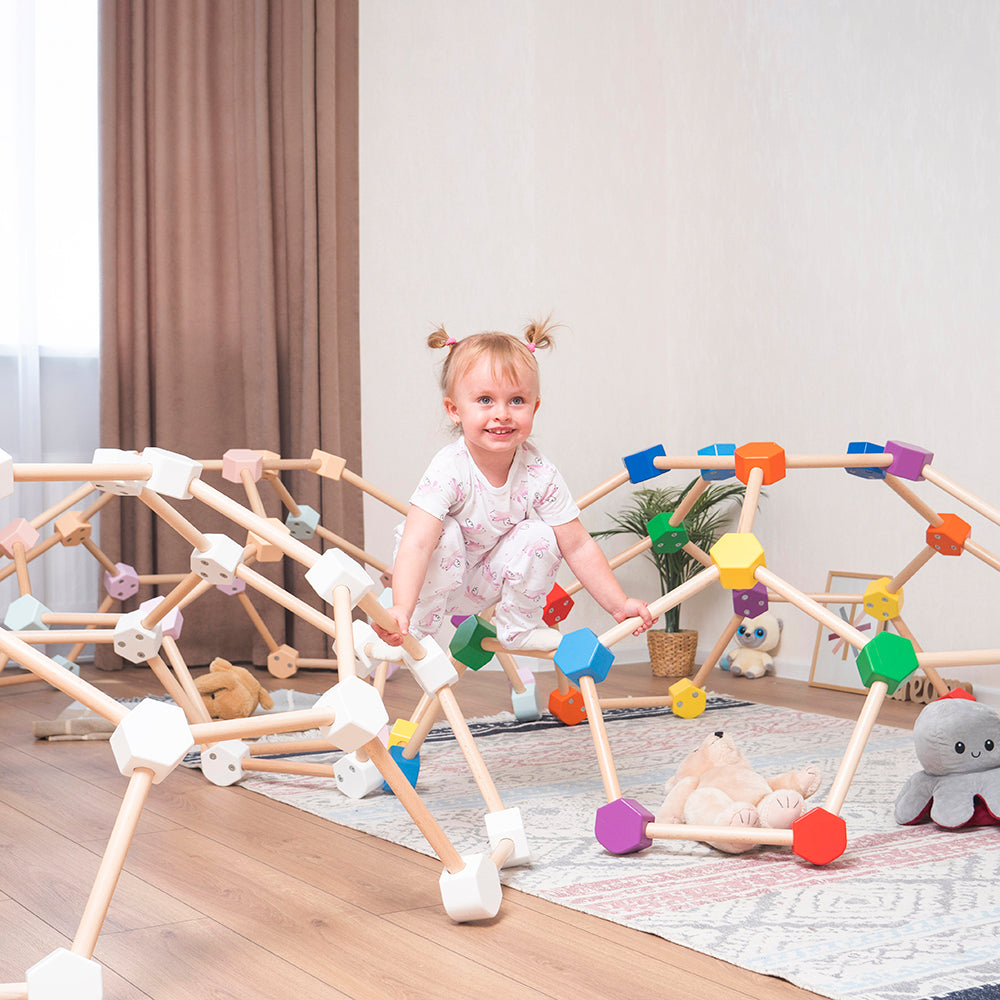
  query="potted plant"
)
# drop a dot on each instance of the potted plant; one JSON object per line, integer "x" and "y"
{"x": 672, "y": 650}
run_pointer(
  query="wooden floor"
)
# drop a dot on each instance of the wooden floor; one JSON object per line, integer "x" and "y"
{"x": 227, "y": 894}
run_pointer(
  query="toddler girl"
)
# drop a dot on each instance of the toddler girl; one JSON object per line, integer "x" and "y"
{"x": 492, "y": 518}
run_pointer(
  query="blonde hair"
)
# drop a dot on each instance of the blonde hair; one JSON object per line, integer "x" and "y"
{"x": 510, "y": 356}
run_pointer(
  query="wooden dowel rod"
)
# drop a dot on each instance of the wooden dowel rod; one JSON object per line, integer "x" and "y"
{"x": 643, "y": 545}
{"x": 12, "y": 679}
{"x": 104, "y": 607}
{"x": 496, "y": 646}
{"x": 177, "y": 521}
{"x": 36, "y": 550}
{"x": 13, "y": 991}
{"x": 960, "y": 658}
{"x": 982, "y": 554}
{"x": 643, "y": 701}
{"x": 694, "y": 462}
{"x": 599, "y": 734}
{"x": 262, "y": 725}
{"x": 690, "y": 499}
{"x": 60, "y": 636}
{"x": 280, "y": 596}
{"x": 751, "y": 496}
{"x": 310, "y": 663}
{"x": 415, "y": 806}
{"x": 99, "y": 504}
{"x": 509, "y": 666}
{"x": 171, "y": 685}
{"x": 374, "y": 491}
{"x": 155, "y": 579}
{"x": 909, "y": 571}
{"x": 821, "y": 598}
{"x": 300, "y": 767}
{"x": 929, "y": 671}
{"x": 79, "y": 618}
{"x": 814, "y": 609}
{"x": 106, "y": 561}
{"x": 870, "y": 461}
{"x": 253, "y": 494}
{"x": 199, "y": 710}
{"x": 908, "y": 496}
{"x": 80, "y": 493}
{"x": 460, "y": 728}
{"x": 21, "y": 568}
{"x": 291, "y": 465}
{"x": 345, "y": 635}
{"x": 359, "y": 555}
{"x": 380, "y": 676}
{"x": 969, "y": 499}
{"x": 424, "y": 717}
{"x": 738, "y": 834}
{"x": 275, "y": 749}
{"x": 501, "y": 853}
{"x": 192, "y": 595}
{"x": 258, "y": 623}
{"x": 171, "y": 601}
{"x": 370, "y": 606}
{"x": 28, "y": 472}
{"x": 286, "y": 498}
{"x": 717, "y": 650}
{"x": 699, "y": 554}
{"x": 94, "y": 913}
{"x": 855, "y": 747}
{"x": 603, "y": 490}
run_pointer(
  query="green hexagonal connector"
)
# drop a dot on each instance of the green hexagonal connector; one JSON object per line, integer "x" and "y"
{"x": 887, "y": 657}
{"x": 666, "y": 537}
{"x": 467, "y": 643}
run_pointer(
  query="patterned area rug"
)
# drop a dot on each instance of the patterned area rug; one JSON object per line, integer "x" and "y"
{"x": 906, "y": 912}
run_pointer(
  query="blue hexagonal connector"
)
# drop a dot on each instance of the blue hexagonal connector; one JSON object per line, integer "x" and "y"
{"x": 582, "y": 654}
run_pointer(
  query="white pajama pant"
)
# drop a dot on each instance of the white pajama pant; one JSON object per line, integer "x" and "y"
{"x": 516, "y": 575}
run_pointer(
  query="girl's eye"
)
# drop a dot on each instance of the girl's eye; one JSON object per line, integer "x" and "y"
{"x": 517, "y": 401}
{"x": 484, "y": 400}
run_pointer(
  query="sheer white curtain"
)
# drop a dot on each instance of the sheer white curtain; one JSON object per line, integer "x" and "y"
{"x": 49, "y": 268}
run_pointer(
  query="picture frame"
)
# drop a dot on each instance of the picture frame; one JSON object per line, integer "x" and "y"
{"x": 834, "y": 664}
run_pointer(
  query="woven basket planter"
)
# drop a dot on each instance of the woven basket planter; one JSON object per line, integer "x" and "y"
{"x": 672, "y": 654}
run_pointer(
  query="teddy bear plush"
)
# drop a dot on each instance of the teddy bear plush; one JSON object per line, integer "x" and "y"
{"x": 957, "y": 740}
{"x": 231, "y": 692}
{"x": 716, "y": 786}
{"x": 755, "y": 639}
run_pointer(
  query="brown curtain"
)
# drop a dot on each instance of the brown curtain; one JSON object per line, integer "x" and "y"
{"x": 230, "y": 272}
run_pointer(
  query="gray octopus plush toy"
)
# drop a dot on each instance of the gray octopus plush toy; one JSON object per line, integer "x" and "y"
{"x": 958, "y": 744}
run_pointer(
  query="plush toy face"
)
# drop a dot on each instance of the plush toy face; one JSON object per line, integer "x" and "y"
{"x": 716, "y": 750}
{"x": 954, "y": 735}
{"x": 762, "y": 632}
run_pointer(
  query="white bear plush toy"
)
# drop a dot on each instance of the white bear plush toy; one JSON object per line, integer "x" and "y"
{"x": 755, "y": 638}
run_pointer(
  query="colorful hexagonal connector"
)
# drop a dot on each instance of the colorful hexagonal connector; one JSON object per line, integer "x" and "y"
{"x": 666, "y": 537}
{"x": 582, "y": 654}
{"x": 880, "y": 602}
{"x": 764, "y": 455}
{"x": 950, "y": 536}
{"x": 737, "y": 556}
{"x": 887, "y": 657}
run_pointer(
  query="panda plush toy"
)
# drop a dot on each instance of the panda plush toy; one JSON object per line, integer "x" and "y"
{"x": 755, "y": 638}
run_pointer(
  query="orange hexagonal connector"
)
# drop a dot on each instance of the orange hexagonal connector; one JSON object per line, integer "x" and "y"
{"x": 765, "y": 455}
{"x": 950, "y": 536}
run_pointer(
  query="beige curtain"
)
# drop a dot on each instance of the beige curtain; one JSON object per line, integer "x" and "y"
{"x": 230, "y": 271}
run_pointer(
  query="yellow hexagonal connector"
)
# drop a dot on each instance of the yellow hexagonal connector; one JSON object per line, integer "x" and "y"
{"x": 737, "y": 556}
{"x": 688, "y": 701}
{"x": 880, "y": 602}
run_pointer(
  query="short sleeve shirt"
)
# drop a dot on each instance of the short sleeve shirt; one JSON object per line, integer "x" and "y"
{"x": 454, "y": 487}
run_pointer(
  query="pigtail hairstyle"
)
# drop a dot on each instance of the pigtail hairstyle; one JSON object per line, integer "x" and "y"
{"x": 539, "y": 334}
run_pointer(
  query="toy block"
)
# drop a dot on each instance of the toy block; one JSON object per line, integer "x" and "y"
{"x": 686, "y": 700}
{"x": 401, "y": 733}
{"x": 359, "y": 714}
{"x": 568, "y": 708}
{"x": 123, "y": 584}
{"x": 866, "y": 448}
{"x": 24, "y": 614}
{"x": 356, "y": 778}
{"x": 119, "y": 487}
{"x": 558, "y": 605}
{"x": 582, "y": 654}
{"x": 238, "y": 586}
{"x": 170, "y": 624}
{"x": 525, "y": 703}
{"x": 304, "y": 524}
{"x": 410, "y": 766}
{"x": 467, "y": 643}
{"x": 880, "y": 602}
{"x": 737, "y": 556}
{"x": 908, "y": 460}
{"x": 764, "y": 455}
{"x": 283, "y": 662}
{"x": 507, "y": 824}
{"x": 217, "y": 564}
{"x": 949, "y": 537}
{"x": 620, "y": 826}
{"x": 73, "y": 668}
{"x": 434, "y": 670}
{"x": 750, "y": 602}
{"x": 819, "y": 836}
{"x": 236, "y": 461}
{"x": 330, "y": 466}
{"x": 640, "y": 465}
{"x": 172, "y": 473}
{"x": 62, "y": 974}
{"x": 153, "y": 735}
{"x": 886, "y": 657}
{"x": 133, "y": 641}
{"x": 717, "y": 451}
{"x": 71, "y": 528}
{"x": 6, "y": 474}
{"x": 474, "y": 892}
{"x": 19, "y": 530}
{"x": 363, "y": 636}
{"x": 267, "y": 551}
{"x": 666, "y": 537}
{"x": 337, "y": 569}
{"x": 222, "y": 763}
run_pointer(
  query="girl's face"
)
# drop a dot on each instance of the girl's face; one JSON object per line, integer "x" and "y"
{"x": 495, "y": 414}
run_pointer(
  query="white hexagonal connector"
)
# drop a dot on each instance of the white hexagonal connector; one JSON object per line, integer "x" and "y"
{"x": 6, "y": 474}
{"x": 473, "y": 893}
{"x": 359, "y": 715}
{"x": 435, "y": 670}
{"x": 337, "y": 569}
{"x": 357, "y": 778}
{"x": 222, "y": 763}
{"x": 217, "y": 564}
{"x": 119, "y": 487}
{"x": 172, "y": 473}
{"x": 363, "y": 635}
{"x": 64, "y": 974}
{"x": 153, "y": 735}
{"x": 508, "y": 825}
{"x": 304, "y": 524}
{"x": 133, "y": 641}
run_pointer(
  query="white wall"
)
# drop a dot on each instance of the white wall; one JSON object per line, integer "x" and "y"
{"x": 759, "y": 221}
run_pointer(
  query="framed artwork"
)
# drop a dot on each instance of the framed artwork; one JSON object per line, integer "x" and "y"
{"x": 833, "y": 664}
